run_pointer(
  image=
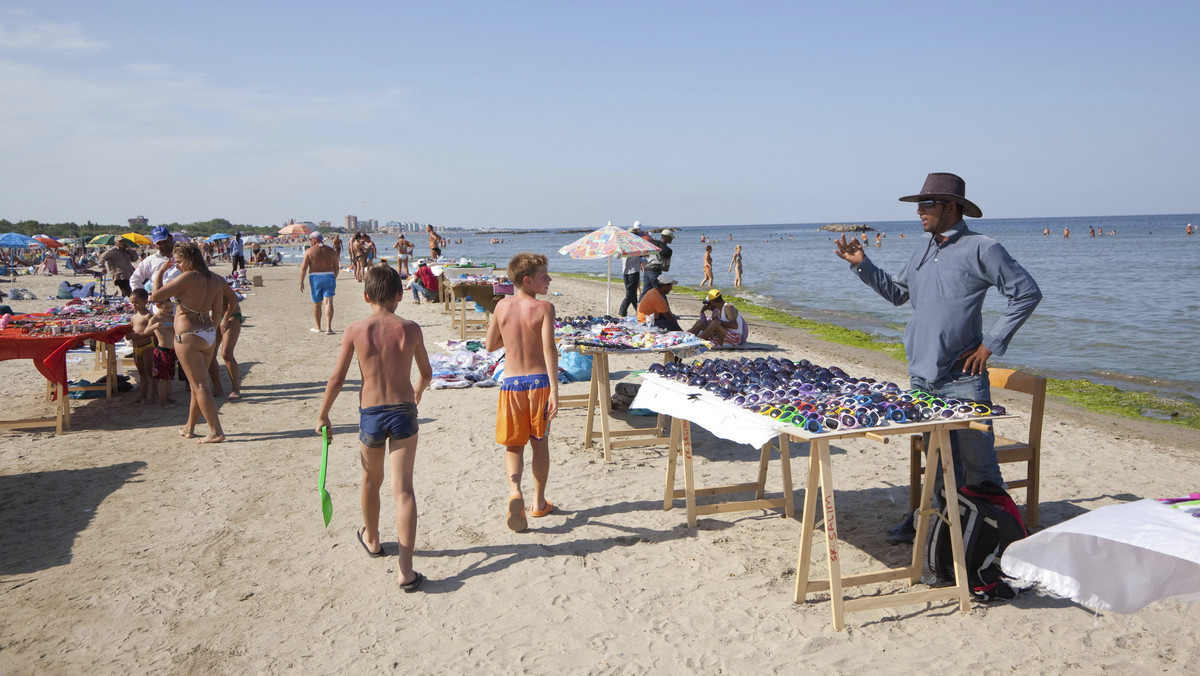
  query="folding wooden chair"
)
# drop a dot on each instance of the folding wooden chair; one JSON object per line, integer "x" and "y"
{"x": 1007, "y": 450}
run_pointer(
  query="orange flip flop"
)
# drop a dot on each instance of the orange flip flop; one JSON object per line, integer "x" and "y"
{"x": 543, "y": 512}
{"x": 516, "y": 514}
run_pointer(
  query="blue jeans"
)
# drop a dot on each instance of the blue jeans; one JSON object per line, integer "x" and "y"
{"x": 417, "y": 287}
{"x": 973, "y": 451}
{"x": 649, "y": 280}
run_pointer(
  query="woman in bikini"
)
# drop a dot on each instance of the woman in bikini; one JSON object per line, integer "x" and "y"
{"x": 708, "y": 277}
{"x": 735, "y": 266}
{"x": 197, "y": 294}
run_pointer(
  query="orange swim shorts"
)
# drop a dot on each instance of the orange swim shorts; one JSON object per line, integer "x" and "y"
{"x": 522, "y": 409}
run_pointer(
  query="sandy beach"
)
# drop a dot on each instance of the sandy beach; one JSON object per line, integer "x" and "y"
{"x": 125, "y": 548}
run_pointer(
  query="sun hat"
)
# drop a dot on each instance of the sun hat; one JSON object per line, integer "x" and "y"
{"x": 159, "y": 233}
{"x": 664, "y": 278}
{"x": 943, "y": 186}
{"x": 713, "y": 294}
{"x": 667, "y": 233}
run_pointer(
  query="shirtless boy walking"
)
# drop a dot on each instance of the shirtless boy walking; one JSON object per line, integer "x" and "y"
{"x": 320, "y": 267}
{"x": 524, "y": 326}
{"x": 387, "y": 346}
{"x": 142, "y": 339}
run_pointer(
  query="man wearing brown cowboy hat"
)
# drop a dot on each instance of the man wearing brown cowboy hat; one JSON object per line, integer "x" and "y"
{"x": 946, "y": 281}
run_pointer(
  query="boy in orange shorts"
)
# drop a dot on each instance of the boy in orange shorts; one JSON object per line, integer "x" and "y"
{"x": 524, "y": 327}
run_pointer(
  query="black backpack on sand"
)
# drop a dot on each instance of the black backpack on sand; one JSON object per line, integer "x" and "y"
{"x": 990, "y": 521}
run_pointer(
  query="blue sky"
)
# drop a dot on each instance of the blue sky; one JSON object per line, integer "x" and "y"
{"x": 571, "y": 114}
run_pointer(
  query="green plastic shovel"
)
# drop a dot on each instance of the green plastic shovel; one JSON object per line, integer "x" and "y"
{"x": 326, "y": 501}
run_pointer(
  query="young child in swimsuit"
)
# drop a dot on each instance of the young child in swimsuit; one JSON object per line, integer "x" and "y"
{"x": 387, "y": 346}
{"x": 142, "y": 340}
{"x": 524, "y": 327}
{"x": 162, "y": 325}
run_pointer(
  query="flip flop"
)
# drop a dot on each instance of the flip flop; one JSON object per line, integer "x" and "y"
{"x": 543, "y": 512}
{"x": 311, "y": 330}
{"x": 516, "y": 514}
{"x": 373, "y": 555}
{"x": 410, "y": 587}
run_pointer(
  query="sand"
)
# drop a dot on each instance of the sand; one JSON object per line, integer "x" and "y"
{"x": 125, "y": 548}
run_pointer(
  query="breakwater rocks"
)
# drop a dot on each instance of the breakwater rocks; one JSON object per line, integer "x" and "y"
{"x": 841, "y": 227}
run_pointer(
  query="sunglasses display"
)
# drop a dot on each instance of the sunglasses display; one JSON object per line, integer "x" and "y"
{"x": 815, "y": 398}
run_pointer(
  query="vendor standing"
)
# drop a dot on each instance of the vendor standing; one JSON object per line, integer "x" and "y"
{"x": 658, "y": 263}
{"x": 118, "y": 261}
{"x": 946, "y": 281}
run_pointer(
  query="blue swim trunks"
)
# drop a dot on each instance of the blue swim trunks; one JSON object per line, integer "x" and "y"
{"x": 322, "y": 285}
{"x": 377, "y": 424}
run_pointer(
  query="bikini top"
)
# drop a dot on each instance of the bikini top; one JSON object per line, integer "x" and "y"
{"x": 202, "y": 315}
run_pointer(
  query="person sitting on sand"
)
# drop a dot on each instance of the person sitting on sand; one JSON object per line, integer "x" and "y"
{"x": 720, "y": 322}
{"x": 528, "y": 401}
{"x": 196, "y": 293}
{"x": 142, "y": 340}
{"x": 423, "y": 283}
{"x": 321, "y": 267}
{"x": 654, "y": 303}
{"x": 386, "y": 346}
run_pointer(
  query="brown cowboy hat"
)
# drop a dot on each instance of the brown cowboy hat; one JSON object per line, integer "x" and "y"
{"x": 943, "y": 186}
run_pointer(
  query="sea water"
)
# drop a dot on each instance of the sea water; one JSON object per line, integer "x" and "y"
{"x": 1117, "y": 308}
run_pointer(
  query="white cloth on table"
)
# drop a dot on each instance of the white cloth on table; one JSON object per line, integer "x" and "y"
{"x": 707, "y": 410}
{"x": 1119, "y": 558}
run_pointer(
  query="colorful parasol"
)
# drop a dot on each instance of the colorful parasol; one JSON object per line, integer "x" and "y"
{"x": 102, "y": 240}
{"x": 608, "y": 242}
{"x": 48, "y": 241}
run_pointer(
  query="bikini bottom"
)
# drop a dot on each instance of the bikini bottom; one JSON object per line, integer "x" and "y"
{"x": 208, "y": 335}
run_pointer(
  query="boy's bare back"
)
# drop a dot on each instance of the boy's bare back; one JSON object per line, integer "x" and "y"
{"x": 523, "y": 326}
{"x": 385, "y": 345}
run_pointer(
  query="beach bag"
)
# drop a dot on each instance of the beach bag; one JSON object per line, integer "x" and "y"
{"x": 990, "y": 522}
{"x": 578, "y": 367}
{"x": 624, "y": 396}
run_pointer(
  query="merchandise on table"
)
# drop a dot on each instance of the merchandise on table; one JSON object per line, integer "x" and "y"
{"x": 466, "y": 363}
{"x": 615, "y": 333}
{"x": 85, "y": 315}
{"x": 815, "y": 398}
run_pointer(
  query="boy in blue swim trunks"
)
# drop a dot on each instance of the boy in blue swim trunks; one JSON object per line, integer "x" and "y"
{"x": 387, "y": 346}
{"x": 524, "y": 327}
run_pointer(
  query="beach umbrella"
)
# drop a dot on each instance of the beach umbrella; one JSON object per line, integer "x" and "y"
{"x": 102, "y": 240}
{"x": 180, "y": 238}
{"x": 69, "y": 240}
{"x": 608, "y": 242}
{"x": 138, "y": 239}
{"x": 219, "y": 235}
{"x": 13, "y": 241}
{"x": 295, "y": 229}
{"x": 252, "y": 239}
{"x": 48, "y": 241}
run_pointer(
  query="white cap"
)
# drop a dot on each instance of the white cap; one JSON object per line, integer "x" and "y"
{"x": 665, "y": 278}
{"x": 667, "y": 233}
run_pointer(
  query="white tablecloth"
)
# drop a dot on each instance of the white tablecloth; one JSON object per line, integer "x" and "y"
{"x": 1119, "y": 558}
{"x": 707, "y": 410}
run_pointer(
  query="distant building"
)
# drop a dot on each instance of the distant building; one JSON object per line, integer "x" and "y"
{"x": 324, "y": 225}
{"x": 139, "y": 221}
{"x": 352, "y": 223}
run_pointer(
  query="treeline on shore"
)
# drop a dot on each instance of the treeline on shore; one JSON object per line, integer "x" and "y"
{"x": 89, "y": 229}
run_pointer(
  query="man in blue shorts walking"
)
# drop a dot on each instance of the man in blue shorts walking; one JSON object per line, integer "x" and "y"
{"x": 320, "y": 268}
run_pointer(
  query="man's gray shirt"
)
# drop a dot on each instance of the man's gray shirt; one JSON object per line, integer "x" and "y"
{"x": 946, "y": 284}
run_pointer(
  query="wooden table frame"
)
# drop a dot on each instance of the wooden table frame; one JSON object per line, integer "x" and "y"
{"x": 458, "y": 317}
{"x": 600, "y": 395}
{"x": 820, "y": 474}
{"x": 681, "y": 442}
